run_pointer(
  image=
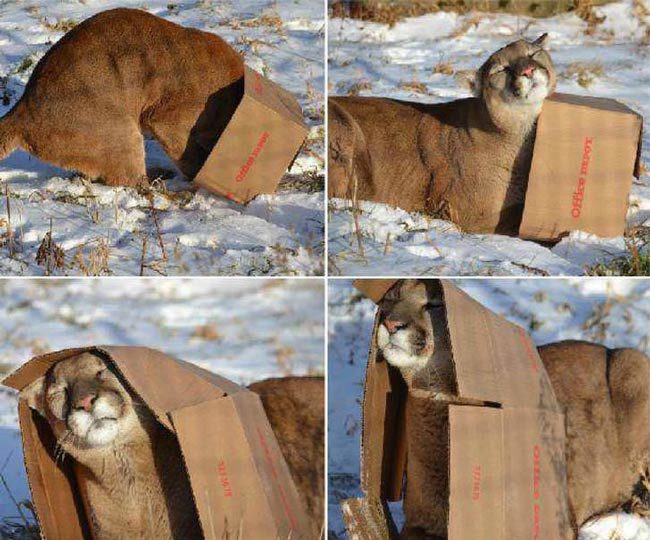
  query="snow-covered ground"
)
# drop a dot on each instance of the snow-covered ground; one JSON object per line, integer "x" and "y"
{"x": 243, "y": 329}
{"x": 615, "y": 313}
{"x": 103, "y": 230}
{"x": 440, "y": 52}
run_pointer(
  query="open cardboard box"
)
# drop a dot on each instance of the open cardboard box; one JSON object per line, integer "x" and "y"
{"x": 586, "y": 152}
{"x": 259, "y": 143}
{"x": 236, "y": 469}
{"x": 507, "y": 464}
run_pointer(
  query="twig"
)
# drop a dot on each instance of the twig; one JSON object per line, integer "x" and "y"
{"x": 49, "y": 252}
{"x": 10, "y": 236}
{"x": 154, "y": 214}
{"x": 13, "y": 499}
{"x": 144, "y": 251}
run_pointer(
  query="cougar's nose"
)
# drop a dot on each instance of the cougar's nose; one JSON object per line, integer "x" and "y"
{"x": 392, "y": 325}
{"x": 85, "y": 402}
{"x": 527, "y": 71}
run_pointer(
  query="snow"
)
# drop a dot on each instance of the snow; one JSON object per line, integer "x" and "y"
{"x": 377, "y": 58}
{"x": 202, "y": 233}
{"x": 612, "y": 312}
{"x": 256, "y": 328}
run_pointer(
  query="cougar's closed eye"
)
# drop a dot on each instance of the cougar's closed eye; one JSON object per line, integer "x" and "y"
{"x": 57, "y": 398}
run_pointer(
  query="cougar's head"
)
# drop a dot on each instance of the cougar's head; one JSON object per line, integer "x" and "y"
{"x": 84, "y": 402}
{"x": 405, "y": 335}
{"x": 517, "y": 78}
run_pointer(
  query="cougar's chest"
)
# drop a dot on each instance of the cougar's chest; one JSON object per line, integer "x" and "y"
{"x": 121, "y": 494}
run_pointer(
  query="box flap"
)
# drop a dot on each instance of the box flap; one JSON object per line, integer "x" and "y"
{"x": 51, "y": 482}
{"x": 584, "y": 185}
{"x": 272, "y": 96}
{"x": 507, "y": 474}
{"x": 494, "y": 359}
{"x": 476, "y": 481}
{"x": 253, "y": 490}
{"x": 259, "y": 142}
{"x": 535, "y": 475}
{"x": 162, "y": 382}
{"x": 383, "y": 434}
{"x": 603, "y": 104}
{"x": 375, "y": 289}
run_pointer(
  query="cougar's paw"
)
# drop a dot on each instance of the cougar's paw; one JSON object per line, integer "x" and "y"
{"x": 640, "y": 502}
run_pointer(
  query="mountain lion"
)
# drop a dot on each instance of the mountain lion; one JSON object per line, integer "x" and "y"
{"x": 604, "y": 394}
{"x": 465, "y": 160}
{"x": 116, "y": 76}
{"x": 119, "y": 448}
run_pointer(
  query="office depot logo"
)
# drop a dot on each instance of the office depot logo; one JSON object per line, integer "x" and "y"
{"x": 476, "y": 483}
{"x": 222, "y": 473}
{"x": 261, "y": 143}
{"x": 579, "y": 193}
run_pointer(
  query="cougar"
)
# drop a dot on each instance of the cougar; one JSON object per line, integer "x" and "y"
{"x": 466, "y": 160}
{"x": 603, "y": 392}
{"x": 116, "y": 76}
{"x": 129, "y": 467}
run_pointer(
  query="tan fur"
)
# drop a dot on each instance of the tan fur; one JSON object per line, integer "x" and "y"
{"x": 466, "y": 160}
{"x": 136, "y": 486}
{"x": 606, "y": 398}
{"x": 604, "y": 394}
{"x": 119, "y": 74}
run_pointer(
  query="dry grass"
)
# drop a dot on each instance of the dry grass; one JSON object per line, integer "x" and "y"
{"x": 635, "y": 263}
{"x": 207, "y": 332}
{"x": 95, "y": 260}
{"x": 585, "y": 10}
{"x": 284, "y": 359}
{"x": 584, "y": 73}
{"x": 444, "y": 68}
{"x": 355, "y": 88}
{"x": 23, "y": 526}
{"x": 392, "y": 11}
{"x": 62, "y": 25}
{"x": 49, "y": 254}
{"x": 413, "y": 86}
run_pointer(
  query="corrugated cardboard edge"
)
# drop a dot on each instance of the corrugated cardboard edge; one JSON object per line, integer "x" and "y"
{"x": 368, "y": 519}
{"x": 375, "y": 289}
{"x": 288, "y": 100}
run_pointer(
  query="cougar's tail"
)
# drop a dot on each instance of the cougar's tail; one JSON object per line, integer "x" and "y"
{"x": 9, "y": 139}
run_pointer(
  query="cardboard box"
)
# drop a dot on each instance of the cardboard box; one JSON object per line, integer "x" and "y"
{"x": 586, "y": 152}
{"x": 259, "y": 143}
{"x": 236, "y": 469}
{"x": 507, "y": 463}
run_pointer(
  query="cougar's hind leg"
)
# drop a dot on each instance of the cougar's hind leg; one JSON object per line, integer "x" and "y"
{"x": 172, "y": 128}
{"x": 349, "y": 167}
{"x": 121, "y": 158}
{"x": 112, "y": 150}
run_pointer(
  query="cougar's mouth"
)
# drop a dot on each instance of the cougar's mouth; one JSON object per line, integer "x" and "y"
{"x": 529, "y": 90}
{"x": 98, "y": 426}
{"x": 402, "y": 349}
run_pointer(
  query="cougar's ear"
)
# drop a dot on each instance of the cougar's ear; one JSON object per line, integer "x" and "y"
{"x": 34, "y": 394}
{"x": 542, "y": 41}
